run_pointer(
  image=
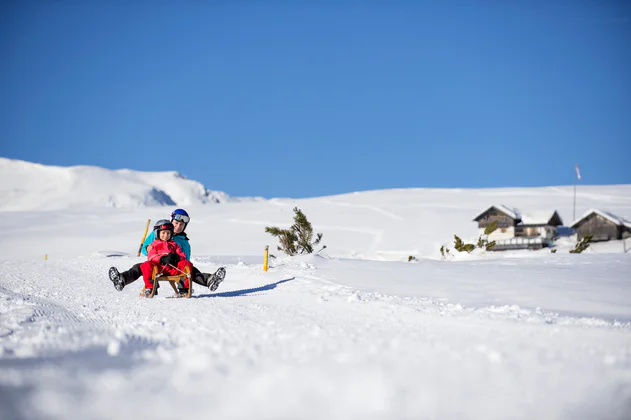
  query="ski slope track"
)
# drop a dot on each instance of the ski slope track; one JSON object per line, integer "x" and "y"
{"x": 306, "y": 340}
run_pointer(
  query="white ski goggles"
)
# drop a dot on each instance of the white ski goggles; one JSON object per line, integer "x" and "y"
{"x": 181, "y": 218}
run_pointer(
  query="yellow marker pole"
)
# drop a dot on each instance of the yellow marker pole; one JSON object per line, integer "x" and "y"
{"x": 266, "y": 258}
{"x": 144, "y": 236}
{"x": 45, "y": 257}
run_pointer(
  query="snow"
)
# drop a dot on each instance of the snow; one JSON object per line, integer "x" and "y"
{"x": 537, "y": 218}
{"x": 31, "y": 186}
{"x": 356, "y": 331}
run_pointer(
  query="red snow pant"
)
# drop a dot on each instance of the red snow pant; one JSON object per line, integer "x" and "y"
{"x": 167, "y": 270}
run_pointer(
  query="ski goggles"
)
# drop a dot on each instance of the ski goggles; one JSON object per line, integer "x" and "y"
{"x": 181, "y": 218}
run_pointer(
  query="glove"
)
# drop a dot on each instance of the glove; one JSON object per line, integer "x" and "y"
{"x": 172, "y": 259}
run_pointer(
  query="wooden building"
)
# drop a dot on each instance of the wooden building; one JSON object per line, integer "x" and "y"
{"x": 542, "y": 224}
{"x": 602, "y": 225}
{"x": 518, "y": 230}
{"x": 506, "y": 217}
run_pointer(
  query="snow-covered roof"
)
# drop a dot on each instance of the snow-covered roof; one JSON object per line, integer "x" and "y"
{"x": 537, "y": 218}
{"x": 620, "y": 221}
{"x": 513, "y": 213}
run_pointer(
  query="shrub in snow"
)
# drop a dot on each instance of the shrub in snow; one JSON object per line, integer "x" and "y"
{"x": 298, "y": 239}
{"x": 460, "y": 246}
{"x": 483, "y": 240}
{"x": 482, "y": 243}
{"x": 582, "y": 245}
{"x": 444, "y": 251}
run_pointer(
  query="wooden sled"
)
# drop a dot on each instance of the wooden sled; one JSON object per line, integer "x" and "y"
{"x": 173, "y": 280}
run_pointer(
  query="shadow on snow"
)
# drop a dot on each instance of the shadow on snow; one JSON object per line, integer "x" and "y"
{"x": 244, "y": 292}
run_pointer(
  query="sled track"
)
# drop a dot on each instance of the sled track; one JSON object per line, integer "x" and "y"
{"x": 31, "y": 327}
{"x": 329, "y": 290}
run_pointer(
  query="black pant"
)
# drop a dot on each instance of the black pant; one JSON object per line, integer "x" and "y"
{"x": 134, "y": 274}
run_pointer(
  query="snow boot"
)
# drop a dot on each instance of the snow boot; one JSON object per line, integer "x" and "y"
{"x": 181, "y": 289}
{"x": 116, "y": 278}
{"x": 147, "y": 293}
{"x": 216, "y": 278}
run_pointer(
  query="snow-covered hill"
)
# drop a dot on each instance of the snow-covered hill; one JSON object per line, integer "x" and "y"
{"x": 356, "y": 332}
{"x": 31, "y": 186}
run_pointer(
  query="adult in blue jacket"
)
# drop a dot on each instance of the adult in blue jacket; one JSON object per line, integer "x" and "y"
{"x": 180, "y": 219}
{"x": 179, "y": 236}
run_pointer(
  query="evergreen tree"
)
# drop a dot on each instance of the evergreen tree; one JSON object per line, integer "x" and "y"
{"x": 298, "y": 238}
{"x": 582, "y": 245}
{"x": 286, "y": 237}
{"x": 304, "y": 231}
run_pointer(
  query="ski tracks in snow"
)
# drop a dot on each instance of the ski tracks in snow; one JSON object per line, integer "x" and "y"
{"x": 293, "y": 343}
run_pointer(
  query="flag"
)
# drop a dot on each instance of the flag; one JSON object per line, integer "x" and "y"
{"x": 578, "y": 173}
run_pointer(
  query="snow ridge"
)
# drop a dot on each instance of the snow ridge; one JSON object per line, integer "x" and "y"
{"x": 31, "y": 186}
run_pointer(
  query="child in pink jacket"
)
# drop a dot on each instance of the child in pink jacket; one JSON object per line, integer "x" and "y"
{"x": 167, "y": 255}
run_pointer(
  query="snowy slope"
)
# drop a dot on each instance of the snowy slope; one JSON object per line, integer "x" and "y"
{"x": 309, "y": 340}
{"x": 31, "y": 186}
{"x": 382, "y": 225}
{"x": 354, "y": 333}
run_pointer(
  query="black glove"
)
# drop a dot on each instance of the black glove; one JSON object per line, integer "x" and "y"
{"x": 172, "y": 259}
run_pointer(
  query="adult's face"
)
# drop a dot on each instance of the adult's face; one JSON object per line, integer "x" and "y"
{"x": 178, "y": 226}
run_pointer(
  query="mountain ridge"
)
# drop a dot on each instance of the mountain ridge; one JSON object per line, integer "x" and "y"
{"x": 34, "y": 186}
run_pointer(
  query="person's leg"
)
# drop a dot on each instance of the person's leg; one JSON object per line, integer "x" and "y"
{"x": 131, "y": 275}
{"x": 199, "y": 277}
{"x": 182, "y": 265}
{"x": 147, "y": 271}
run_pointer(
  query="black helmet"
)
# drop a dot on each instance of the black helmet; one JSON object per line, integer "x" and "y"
{"x": 161, "y": 225}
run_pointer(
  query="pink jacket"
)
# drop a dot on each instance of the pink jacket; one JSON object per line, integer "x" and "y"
{"x": 161, "y": 248}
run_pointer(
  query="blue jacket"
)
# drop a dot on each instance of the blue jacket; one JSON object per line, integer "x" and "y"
{"x": 181, "y": 239}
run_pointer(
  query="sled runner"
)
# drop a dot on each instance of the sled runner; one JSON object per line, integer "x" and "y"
{"x": 173, "y": 280}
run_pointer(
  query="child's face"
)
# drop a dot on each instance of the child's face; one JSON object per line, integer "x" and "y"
{"x": 165, "y": 235}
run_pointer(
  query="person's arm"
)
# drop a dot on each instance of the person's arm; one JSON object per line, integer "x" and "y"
{"x": 186, "y": 249}
{"x": 182, "y": 241}
{"x": 148, "y": 241}
{"x": 179, "y": 252}
{"x": 155, "y": 252}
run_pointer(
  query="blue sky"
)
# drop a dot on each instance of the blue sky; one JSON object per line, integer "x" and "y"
{"x": 310, "y": 98}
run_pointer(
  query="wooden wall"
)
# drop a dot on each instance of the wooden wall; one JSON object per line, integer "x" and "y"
{"x": 492, "y": 215}
{"x": 602, "y": 229}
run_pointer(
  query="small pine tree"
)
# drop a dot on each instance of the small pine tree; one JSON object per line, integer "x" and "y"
{"x": 483, "y": 240}
{"x": 298, "y": 238}
{"x": 582, "y": 245}
{"x": 460, "y": 246}
{"x": 444, "y": 251}
{"x": 491, "y": 227}
{"x": 304, "y": 231}
{"x": 286, "y": 237}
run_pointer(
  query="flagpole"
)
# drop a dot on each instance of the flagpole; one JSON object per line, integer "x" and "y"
{"x": 574, "y": 214}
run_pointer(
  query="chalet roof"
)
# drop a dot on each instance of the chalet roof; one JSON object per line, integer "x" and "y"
{"x": 512, "y": 213}
{"x": 539, "y": 218}
{"x": 620, "y": 221}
